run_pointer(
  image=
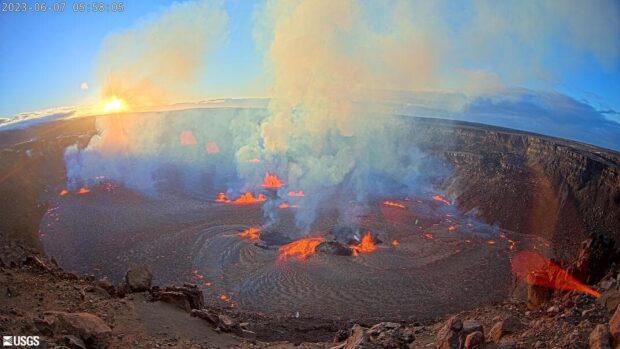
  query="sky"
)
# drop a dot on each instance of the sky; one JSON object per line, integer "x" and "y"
{"x": 46, "y": 56}
{"x": 566, "y": 47}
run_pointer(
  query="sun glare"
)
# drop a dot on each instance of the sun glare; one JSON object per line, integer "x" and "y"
{"x": 114, "y": 105}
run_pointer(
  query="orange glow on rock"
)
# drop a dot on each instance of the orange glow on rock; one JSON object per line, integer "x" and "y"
{"x": 537, "y": 270}
{"x": 295, "y": 193}
{"x": 272, "y": 181}
{"x": 251, "y": 233}
{"x": 187, "y": 138}
{"x": 451, "y": 228}
{"x": 393, "y": 204}
{"x": 63, "y": 192}
{"x": 299, "y": 249}
{"x": 395, "y": 243}
{"x": 212, "y": 148}
{"x": 441, "y": 199}
{"x": 83, "y": 191}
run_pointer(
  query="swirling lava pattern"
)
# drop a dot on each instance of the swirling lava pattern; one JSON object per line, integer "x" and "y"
{"x": 417, "y": 277}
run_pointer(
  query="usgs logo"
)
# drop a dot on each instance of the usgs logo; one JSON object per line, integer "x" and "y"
{"x": 25, "y": 341}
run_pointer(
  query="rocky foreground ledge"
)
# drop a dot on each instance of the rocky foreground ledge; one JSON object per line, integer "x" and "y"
{"x": 69, "y": 311}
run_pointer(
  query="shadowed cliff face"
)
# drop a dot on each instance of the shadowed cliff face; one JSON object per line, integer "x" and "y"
{"x": 532, "y": 184}
{"x": 31, "y": 161}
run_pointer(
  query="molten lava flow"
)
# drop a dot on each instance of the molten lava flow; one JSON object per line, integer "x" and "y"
{"x": 299, "y": 249}
{"x": 365, "y": 246}
{"x": 441, "y": 199}
{"x": 271, "y": 181}
{"x": 187, "y": 138}
{"x": 221, "y": 197}
{"x": 295, "y": 193}
{"x": 83, "y": 191}
{"x": 393, "y": 204}
{"x": 491, "y": 242}
{"x": 248, "y": 198}
{"x": 251, "y": 233}
{"x": 224, "y": 298}
{"x": 428, "y": 236}
{"x": 451, "y": 228}
{"x": 63, "y": 192}
{"x": 537, "y": 270}
{"x": 395, "y": 243}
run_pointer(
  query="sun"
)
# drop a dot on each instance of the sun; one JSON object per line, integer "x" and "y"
{"x": 114, "y": 105}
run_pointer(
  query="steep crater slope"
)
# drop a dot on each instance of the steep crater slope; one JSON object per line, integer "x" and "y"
{"x": 532, "y": 184}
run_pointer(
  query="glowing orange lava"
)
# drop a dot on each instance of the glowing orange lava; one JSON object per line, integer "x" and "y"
{"x": 224, "y": 298}
{"x": 451, "y": 228}
{"x": 299, "y": 249}
{"x": 441, "y": 199}
{"x": 284, "y": 205}
{"x": 251, "y": 233}
{"x": 271, "y": 181}
{"x": 63, "y": 192}
{"x": 537, "y": 270}
{"x": 395, "y": 243}
{"x": 221, "y": 197}
{"x": 295, "y": 193}
{"x": 428, "y": 236}
{"x": 393, "y": 204}
{"x": 248, "y": 198}
{"x": 367, "y": 245}
{"x": 83, "y": 191}
{"x": 491, "y": 242}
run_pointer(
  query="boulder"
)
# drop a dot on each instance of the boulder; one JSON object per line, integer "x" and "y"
{"x": 177, "y": 299}
{"x": 90, "y": 328}
{"x": 334, "y": 248}
{"x": 614, "y": 328}
{"x": 357, "y": 338}
{"x": 219, "y": 321}
{"x": 448, "y": 337}
{"x": 610, "y": 299}
{"x": 474, "y": 340}
{"x": 599, "y": 338}
{"x": 139, "y": 278}
{"x": 186, "y": 297}
{"x": 107, "y": 285}
{"x": 470, "y": 326}
{"x": 74, "y": 342}
{"x": 390, "y": 335}
{"x": 537, "y": 295}
{"x": 507, "y": 326}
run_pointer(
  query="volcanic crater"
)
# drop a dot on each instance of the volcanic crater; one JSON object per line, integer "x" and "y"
{"x": 439, "y": 250}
